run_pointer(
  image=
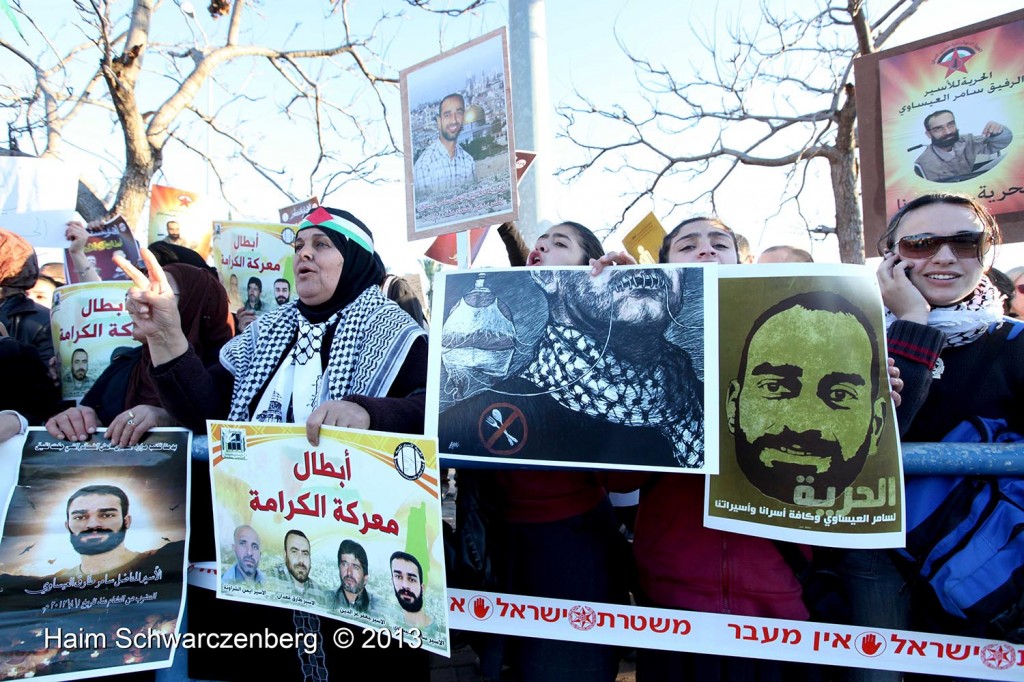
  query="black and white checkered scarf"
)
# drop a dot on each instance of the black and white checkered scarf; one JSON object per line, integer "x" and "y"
{"x": 967, "y": 320}
{"x": 371, "y": 341}
{"x": 664, "y": 394}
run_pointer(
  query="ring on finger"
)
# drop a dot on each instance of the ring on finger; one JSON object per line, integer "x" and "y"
{"x": 130, "y": 422}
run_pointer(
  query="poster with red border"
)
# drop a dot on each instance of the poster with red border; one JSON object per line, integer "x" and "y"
{"x": 967, "y": 87}
{"x": 179, "y": 217}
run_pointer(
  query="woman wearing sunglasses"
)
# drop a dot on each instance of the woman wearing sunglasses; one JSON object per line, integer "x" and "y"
{"x": 941, "y": 310}
{"x": 958, "y": 357}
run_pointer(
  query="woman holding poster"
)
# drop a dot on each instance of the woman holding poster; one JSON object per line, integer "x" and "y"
{"x": 959, "y": 358}
{"x": 124, "y": 397}
{"x": 342, "y": 355}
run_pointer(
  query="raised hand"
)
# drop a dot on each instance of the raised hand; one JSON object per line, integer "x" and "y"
{"x": 153, "y": 306}
{"x": 899, "y": 294}
{"x": 610, "y": 258}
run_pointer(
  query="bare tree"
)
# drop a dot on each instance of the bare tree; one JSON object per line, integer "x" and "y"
{"x": 778, "y": 95}
{"x": 335, "y": 91}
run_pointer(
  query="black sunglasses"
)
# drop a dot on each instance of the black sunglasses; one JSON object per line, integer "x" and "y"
{"x": 963, "y": 245}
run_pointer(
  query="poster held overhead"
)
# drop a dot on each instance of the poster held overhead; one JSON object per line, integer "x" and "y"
{"x": 460, "y": 165}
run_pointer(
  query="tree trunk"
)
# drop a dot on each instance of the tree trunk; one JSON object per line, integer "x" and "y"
{"x": 849, "y": 223}
{"x": 134, "y": 191}
{"x": 844, "y": 169}
{"x": 88, "y": 205}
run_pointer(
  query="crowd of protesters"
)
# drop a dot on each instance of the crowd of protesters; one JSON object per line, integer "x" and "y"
{"x": 304, "y": 363}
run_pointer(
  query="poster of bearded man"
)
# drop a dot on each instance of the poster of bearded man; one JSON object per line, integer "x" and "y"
{"x": 555, "y": 366}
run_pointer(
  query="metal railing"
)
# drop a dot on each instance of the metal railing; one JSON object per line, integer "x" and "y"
{"x": 919, "y": 459}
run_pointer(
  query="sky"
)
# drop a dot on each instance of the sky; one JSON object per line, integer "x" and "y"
{"x": 584, "y": 55}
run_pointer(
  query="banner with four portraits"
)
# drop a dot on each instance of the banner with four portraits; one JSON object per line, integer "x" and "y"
{"x": 254, "y": 263}
{"x": 349, "y": 529}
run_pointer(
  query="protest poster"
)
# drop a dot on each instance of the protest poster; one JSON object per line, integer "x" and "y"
{"x": 38, "y": 199}
{"x": 112, "y": 238}
{"x": 458, "y": 139}
{"x": 90, "y": 329}
{"x": 555, "y": 366}
{"x": 294, "y": 213}
{"x": 945, "y": 114}
{"x": 444, "y": 248}
{"x": 350, "y": 529}
{"x": 258, "y": 256}
{"x": 810, "y": 449}
{"x": 179, "y": 217}
{"x": 643, "y": 242}
{"x": 93, "y": 556}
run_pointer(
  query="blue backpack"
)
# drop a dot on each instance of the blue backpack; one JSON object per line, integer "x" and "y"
{"x": 965, "y": 541}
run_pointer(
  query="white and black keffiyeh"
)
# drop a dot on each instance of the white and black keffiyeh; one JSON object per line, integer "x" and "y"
{"x": 586, "y": 378}
{"x": 371, "y": 340}
{"x": 967, "y": 320}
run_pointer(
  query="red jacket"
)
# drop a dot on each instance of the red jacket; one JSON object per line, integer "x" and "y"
{"x": 684, "y": 565}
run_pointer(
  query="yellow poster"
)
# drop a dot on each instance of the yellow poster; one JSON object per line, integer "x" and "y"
{"x": 254, "y": 263}
{"x": 350, "y": 529}
{"x": 90, "y": 329}
{"x": 644, "y": 241}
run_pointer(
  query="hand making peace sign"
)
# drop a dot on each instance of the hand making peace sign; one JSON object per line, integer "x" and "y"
{"x": 153, "y": 306}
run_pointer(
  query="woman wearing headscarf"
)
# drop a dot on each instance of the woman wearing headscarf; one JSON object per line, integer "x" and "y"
{"x": 341, "y": 355}
{"x": 124, "y": 397}
{"x": 25, "y": 320}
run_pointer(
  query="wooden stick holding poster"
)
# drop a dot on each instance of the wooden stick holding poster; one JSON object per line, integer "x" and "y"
{"x": 350, "y": 530}
{"x": 810, "y": 450}
{"x": 76, "y": 601}
{"x": 554, "y": 366}
{"x": 458, "y": 139}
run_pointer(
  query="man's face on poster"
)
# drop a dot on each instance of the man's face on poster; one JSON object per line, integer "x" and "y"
{"x": 641, "y": 301}
{"x": 449, "y": 121}
{"x": 247, "y": 550}
{"x": 282, "y": 292}
{"x": 353, "y": 576}
{"x": 405, "y": 576}
{"x": 96, "y": 523}
{"x": 296, "y": 557}
{"x": 942, "y": 130}
{"x": 806, "y": 406}
{"x": 173, "y": 231}
{"x": 254, "y": 293}
{"x": 79, "y": 365}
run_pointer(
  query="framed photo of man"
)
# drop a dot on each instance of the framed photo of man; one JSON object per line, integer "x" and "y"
{"x": 458, "y": 139}
{"x": 941, "y": 115}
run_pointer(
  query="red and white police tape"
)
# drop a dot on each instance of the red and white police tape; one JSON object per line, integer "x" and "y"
{"x": 713, "y": 633}
{"x": 730, "y": 635}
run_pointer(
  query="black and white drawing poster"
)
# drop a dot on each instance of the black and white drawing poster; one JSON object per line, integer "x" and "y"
{"x": 556, "y": 366}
